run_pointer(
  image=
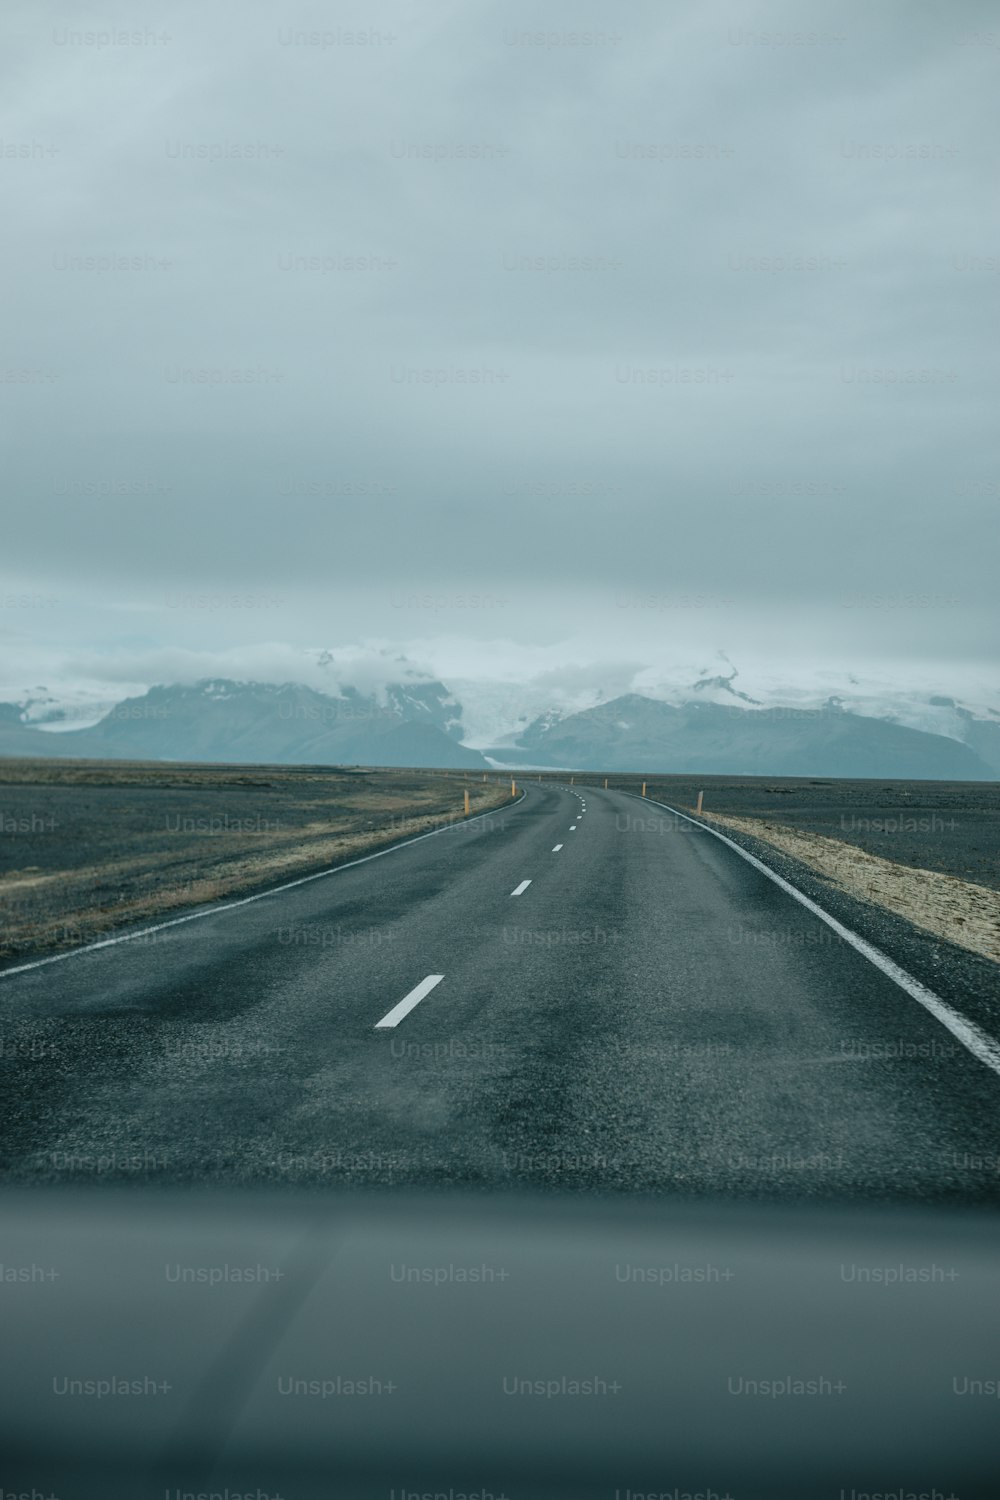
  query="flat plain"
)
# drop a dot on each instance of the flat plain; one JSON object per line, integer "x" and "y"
{"x": 90, "y": 846}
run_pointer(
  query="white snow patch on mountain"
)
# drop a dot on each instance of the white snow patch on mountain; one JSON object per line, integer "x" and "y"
{"x": 502, "y": 686}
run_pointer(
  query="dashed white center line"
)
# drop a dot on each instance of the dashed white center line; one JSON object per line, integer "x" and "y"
{"x": 409, "y": 1001}
{"x": 572, "y": 828}
{"x": 521, "y": 888}
{"x": 556, "y": 848}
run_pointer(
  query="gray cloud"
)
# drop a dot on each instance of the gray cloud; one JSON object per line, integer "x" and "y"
{"x": 697, "y": 309}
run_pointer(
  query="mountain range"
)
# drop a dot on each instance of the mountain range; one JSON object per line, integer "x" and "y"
{"x": 260, "y": 723}
{"x": 635, "y": 733}
{"x": 713, "y": 729}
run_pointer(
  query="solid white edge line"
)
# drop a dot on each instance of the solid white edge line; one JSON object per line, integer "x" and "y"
{"x": 976, "y": 1041}
{"x": 272, "y": 890}
{"x": 522, "y": 887}
{"x": 394, "y": 1016}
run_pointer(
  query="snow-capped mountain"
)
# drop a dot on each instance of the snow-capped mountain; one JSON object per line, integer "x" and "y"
{"x": 498, "y": 716}
{"x": 250, "y": 722}
{"x": 634, "y": 733}
{"x": 934, "y": 707}
{"x": 374, "y": 705}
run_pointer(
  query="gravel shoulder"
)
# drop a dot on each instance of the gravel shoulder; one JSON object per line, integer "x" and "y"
{"x": 954, "y": 910}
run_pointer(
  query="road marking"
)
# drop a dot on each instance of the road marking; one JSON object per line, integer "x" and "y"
{"x": 522, "y": 887}
{"x": 572, "y": 828}
{"x": 409, "y": 1001}
{"x": 274, "y": 890}
{"x": 978, "y": 1042}
{"x": 557, "y": 848}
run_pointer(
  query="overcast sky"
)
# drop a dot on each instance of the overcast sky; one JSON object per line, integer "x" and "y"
{"x": 677, "y": 339}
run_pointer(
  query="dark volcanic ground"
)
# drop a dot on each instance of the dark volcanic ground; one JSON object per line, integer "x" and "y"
{"x": 949, "y": 826}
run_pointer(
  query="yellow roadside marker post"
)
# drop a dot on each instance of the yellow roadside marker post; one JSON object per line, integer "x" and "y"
{"x": 644, "y": 789}
{"x": 466, "y": 804}
{"x": 698, "y": 808}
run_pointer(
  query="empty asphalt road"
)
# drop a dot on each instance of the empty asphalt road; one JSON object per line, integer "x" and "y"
{"x": 581, "y": 991}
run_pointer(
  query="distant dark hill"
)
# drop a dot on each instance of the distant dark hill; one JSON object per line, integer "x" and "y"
{"x": 250, "y": 723}
{"x": 634, "y": 733}
{"x": 20, "y": 739}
